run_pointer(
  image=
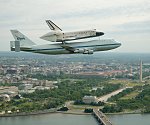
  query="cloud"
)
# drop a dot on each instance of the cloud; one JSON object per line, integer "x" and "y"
{"x": 118, "y": 19}
{"x": 135, "y": 27}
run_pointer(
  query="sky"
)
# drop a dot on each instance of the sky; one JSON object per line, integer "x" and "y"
{"x": 126, "y": 21}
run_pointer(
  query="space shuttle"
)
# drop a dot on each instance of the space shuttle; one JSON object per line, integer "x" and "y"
{"x": 23, "y": 43}
{"x": 58, "y": 35}
{"x": 59, "y": 45}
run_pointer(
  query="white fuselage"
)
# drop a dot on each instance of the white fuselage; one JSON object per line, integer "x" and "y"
{"x": 94, "y": 45}
{"x": 59, "y": 36}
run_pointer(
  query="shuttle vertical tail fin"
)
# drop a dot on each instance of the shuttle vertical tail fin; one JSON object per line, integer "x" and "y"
{"x": 53, "y": 26}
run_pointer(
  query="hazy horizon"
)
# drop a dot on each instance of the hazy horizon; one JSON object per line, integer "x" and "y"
{"x": 128, "y": 22}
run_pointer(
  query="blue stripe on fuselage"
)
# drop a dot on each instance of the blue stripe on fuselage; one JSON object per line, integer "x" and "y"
{"x": 77, "y": 47}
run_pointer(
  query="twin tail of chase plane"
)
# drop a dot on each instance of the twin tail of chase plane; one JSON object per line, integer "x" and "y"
{"x": 23, "y": 43}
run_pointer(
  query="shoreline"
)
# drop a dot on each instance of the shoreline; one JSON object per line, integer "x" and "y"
{"x": 43, "y": 112}
{"x": 25, "y": 114}
{"x": 63, "y": 112}
{"x": 122, "y": 113}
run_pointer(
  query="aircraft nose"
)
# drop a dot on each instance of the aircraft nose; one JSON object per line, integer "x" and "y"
{"x": 99, "y": 33}
{"x": 118, "y": 44}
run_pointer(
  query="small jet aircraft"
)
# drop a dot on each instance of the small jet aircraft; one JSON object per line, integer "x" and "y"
{"x": 57, "y": 35}
{"x": 22, "y": 43}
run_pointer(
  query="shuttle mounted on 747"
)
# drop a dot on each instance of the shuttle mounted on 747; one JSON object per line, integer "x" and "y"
{"x": 60, "y": 45}
{"x": 57, "y": 35}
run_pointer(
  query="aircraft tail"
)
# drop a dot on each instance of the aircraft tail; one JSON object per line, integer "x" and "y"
{"x": 53, "y": 26}
{"x": 23, "y": 40}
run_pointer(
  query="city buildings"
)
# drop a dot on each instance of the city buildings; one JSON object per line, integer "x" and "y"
{"x": 36, "y": 72}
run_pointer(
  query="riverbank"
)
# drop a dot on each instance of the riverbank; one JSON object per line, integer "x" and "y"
{"x": 123, "y": 113}
{"x": 45, "y": 112}
{"x": 74, "y": 112}
{"x": 26, "y": 113}
{"x": 127, "y": 112}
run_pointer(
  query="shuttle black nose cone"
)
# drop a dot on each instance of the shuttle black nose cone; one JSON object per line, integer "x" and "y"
{"x": 99, "y": 33}
{"x": 119, "y": 44}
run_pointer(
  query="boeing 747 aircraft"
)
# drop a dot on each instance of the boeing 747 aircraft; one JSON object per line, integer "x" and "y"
{"x": 22, "y": 43}
{"x": 57, "y": 35}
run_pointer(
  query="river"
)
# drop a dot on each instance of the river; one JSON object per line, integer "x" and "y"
{"x": 67, "y": 119}
{"x": 49, "y": 119}
{"x": 130, "y": 119}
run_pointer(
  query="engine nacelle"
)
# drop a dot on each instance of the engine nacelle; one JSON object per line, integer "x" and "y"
{"x": 84, "y": 51}
{"x": 88, "y": 52}
{"x": 79, "y": 51}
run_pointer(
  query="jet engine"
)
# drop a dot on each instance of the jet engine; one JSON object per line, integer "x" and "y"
{"x": 79, "y": 51}
{"x": 88, "y": 52}
{"x": 84, "y": 51}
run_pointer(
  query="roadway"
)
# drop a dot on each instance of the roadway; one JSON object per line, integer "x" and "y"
{"x": 105, "y": 97}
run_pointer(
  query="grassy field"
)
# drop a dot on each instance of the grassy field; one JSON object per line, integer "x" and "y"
{"x": 127, "y": 83}
{"x": 131, "y": 95}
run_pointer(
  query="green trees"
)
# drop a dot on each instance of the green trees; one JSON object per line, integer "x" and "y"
{"x": 88, "y": 110}
{"x": 71, "y": 89}
{"x": 121, "y": 94}
{"x": 141, "y": 102}
{"x": 80, "y": 102}
{"x": 131, "y": 104}
{"x": 63, "y": 109}
{"x": 112, "y": 109}
{"x": 108, "y": 88}
{"x": 146, "y": 109}
{"x": 67, "y": 90}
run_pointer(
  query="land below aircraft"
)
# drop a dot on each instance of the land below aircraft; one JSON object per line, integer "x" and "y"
{"x": 23, "y": 43}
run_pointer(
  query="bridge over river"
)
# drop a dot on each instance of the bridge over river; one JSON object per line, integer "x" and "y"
{"x": 101, "y": 117}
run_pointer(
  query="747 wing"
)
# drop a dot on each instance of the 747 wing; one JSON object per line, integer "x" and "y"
{"x": 77, "y": 50}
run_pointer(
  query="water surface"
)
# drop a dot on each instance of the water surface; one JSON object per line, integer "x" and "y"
{"x": 49, "y": 119}
{"x": 130, "y": 119}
